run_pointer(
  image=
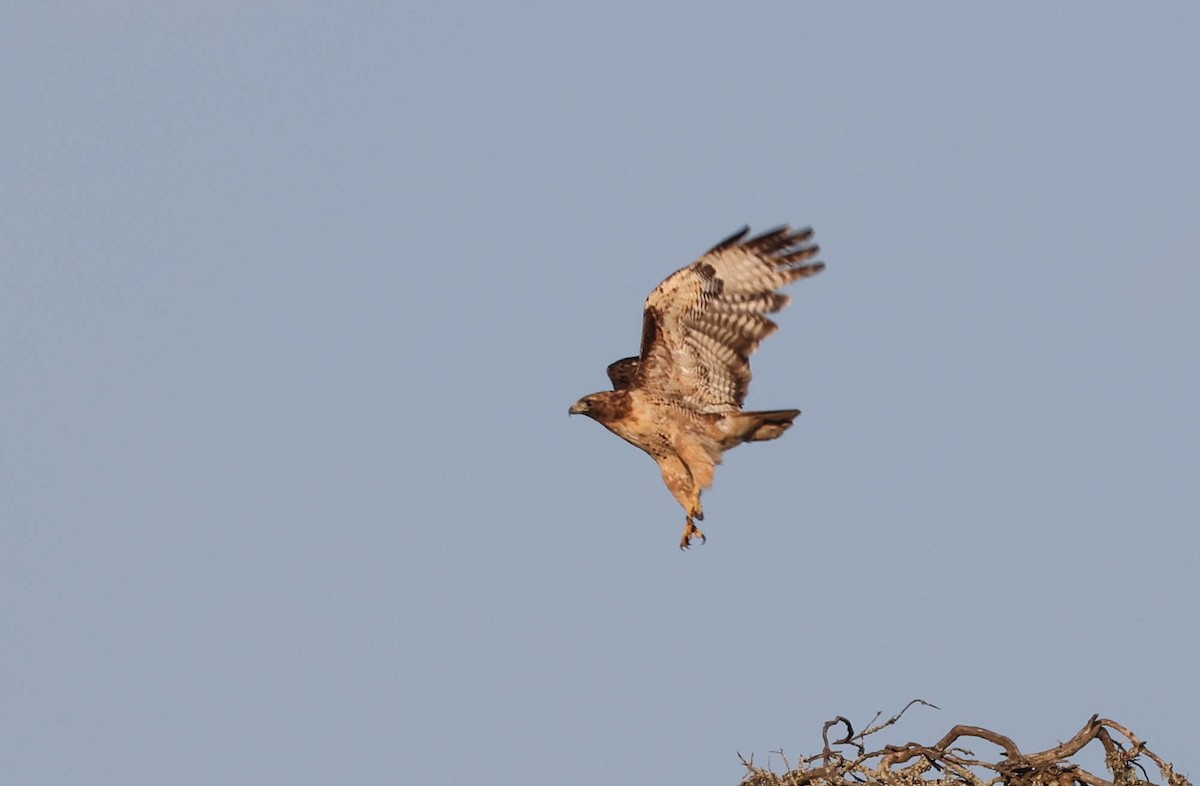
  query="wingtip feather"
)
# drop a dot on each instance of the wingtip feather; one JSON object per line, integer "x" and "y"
{"x": 732, "y": 240}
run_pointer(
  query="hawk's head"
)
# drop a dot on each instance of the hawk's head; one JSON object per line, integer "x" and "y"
{"x": 605, "y": 406}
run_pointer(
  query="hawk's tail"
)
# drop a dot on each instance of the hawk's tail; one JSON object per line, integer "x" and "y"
{"x": 761, "y": 426}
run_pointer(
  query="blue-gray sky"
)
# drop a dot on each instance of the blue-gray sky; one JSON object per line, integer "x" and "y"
{"x": 294, "y": 298}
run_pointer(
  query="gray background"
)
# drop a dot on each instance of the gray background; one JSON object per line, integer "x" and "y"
{"x": 295, "y": 297}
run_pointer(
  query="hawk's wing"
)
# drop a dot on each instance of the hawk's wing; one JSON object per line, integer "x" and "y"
{"x": 702, "y": 324}
{"x": 623, "y": 372}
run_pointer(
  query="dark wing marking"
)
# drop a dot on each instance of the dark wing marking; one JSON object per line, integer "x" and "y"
{"x": 622, "y": 372}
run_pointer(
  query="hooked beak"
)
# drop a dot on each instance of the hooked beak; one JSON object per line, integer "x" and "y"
{"x": 578, "y": 408}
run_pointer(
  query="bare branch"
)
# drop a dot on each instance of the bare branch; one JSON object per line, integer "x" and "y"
{"x": 947, "y": 763}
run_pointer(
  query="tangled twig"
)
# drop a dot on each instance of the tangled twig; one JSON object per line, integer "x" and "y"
{"x": 946, "y": 764}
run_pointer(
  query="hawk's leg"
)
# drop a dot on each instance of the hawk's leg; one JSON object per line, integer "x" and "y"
{"x": 690, "y": 530}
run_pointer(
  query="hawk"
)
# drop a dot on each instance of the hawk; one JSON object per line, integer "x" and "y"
{"x": 680, "y": 400}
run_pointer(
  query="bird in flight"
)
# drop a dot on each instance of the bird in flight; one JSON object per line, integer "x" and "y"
{"x": 680, "y": 399}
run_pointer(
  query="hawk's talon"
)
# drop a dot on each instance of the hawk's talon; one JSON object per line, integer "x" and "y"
{"x": 689, "y": 530}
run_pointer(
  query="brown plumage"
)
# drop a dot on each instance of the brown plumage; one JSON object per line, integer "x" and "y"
{"x": 680, "y": 400}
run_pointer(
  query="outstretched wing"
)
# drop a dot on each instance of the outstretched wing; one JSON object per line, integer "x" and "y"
{"x": 702, "y": 324}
